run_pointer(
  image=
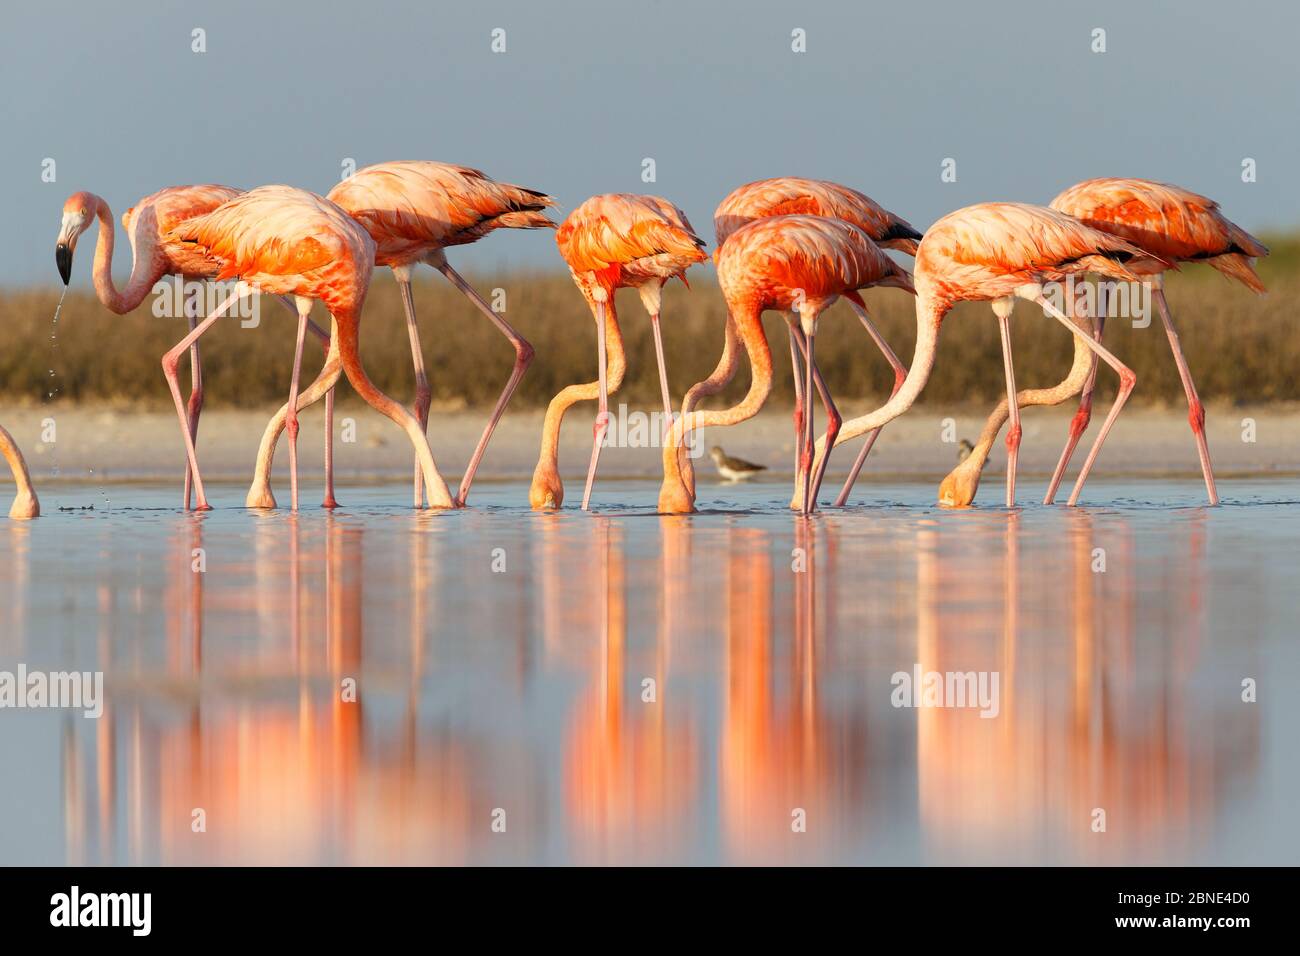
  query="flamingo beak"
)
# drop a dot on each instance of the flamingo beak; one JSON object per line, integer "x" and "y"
{"x": 63, "y": 259}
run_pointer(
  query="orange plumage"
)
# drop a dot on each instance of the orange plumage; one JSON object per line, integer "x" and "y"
{"x": 412, "y": 207}
{"x": 795, "y": 262}
{"x": 989, "y": 250}
{"x": 284, "y": 240}
{"x": 791, "y": 195}
{"x": 777, "y": 262}
{"x": 613, "y": 241}
{"x": 172, "y": 207}
{"x": 622, "y": 239}
{"x": 1172, "y": 223}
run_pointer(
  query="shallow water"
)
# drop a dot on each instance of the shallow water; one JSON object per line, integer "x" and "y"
{"x": 502, "y": 661}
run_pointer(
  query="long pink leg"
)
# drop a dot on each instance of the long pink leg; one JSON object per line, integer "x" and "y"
{"x": 423, "y": 394}
{"x": 1195, "y": 410}
{"x": 329, "y": 501}
{"x": 291, "y": 421}
{"x": 833, "y": 418}
{"x": 1013, "y": 431}
{"x": 260, "y": 495}
{"x": 717, "y": 380}
{"x": 193, "y": 309}
{"x": 833, "y": 423}
{"x": 1126, "y": 382}
{"x": 602, "y": 414}
{"x": 1079, "y": 423}
{"x": 806, "y": 452}
{"x": 797, "y": 347}
{"x": 523, "y": 358}
{"x": 170, "y": 363}
{"x": 900, "y": 373}
{"x": 663, "y": 376}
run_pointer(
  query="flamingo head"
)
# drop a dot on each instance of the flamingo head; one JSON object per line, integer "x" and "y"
{"x": 958, "y": 489}
{"x": 546, "y": 493}
{"x": 674, "y": 499}
{"x": 78, "y": 213}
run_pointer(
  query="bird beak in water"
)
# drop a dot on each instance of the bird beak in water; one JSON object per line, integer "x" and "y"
{"x": 63, "y": 259}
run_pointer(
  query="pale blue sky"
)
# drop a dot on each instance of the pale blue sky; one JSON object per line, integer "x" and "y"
{"x": 710, "y": 90}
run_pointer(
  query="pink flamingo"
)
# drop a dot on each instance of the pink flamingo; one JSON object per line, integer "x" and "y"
{"x": 793, "y": 195}
{"x": 957, "y": 490}
{"x": 611, "y": 242}
{"x": 25, "y": 503}
{"x": 286, "y": 241}
{"x": 1171, "y": 223}
{"x": 147, "y": 224}
{"x": 989, "y": 252}
{"x": 414, "y": 211}
{"x": 781, "y": 263}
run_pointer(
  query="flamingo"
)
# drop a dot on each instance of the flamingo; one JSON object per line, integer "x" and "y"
{"x": 287, "y": 241}
{"x": 988, "y": 252}
{"x": 1177, "y": 226}
{"x": 958, "y": 488}
{"x": 781, "y": 263}
{"x": 785, "y": 196}
{"x": 414, "y": 210}
{"x": 154, "y": 256}
{"x": 610, "y": 242}
{"x": 26, "y": 504}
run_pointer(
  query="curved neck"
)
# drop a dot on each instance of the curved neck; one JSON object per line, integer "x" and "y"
{"x": 721, "y": 374}
{"x": 929, "y": 315}
{"x": 615, "y": 366}
{"x": 144, "y": 270}
{"x": 749, "y": 325}
{"x": 1072, "y": 384}
{"x": 9, "y": 451}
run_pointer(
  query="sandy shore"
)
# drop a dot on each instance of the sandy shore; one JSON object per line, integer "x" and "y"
{"x": 107, "y": 444}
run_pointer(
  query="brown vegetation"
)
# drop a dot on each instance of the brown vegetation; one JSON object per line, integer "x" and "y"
{"x": 1240, "y": 347}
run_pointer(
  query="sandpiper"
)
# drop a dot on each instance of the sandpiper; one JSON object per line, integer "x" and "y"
{"x": 733, "y": 469}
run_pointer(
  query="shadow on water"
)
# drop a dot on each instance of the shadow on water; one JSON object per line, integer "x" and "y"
{"x": 379, "y": 686}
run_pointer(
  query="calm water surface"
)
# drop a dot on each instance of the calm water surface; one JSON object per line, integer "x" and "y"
{"x": 623, "y": 687}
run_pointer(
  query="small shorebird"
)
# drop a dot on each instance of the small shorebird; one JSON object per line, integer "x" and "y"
{"x": 964, "y": 449}
{"x": 788, "y": 196}
{"x": 734, "y": 469}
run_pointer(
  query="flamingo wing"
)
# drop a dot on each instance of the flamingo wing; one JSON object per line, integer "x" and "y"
{"x": 794, "y": 196}
{"x": 275, "y": 231}
{"x": 989, "y": 250}
{"x": 623, "y": 229}
{"x": 783, "y": 258}
{"x": 412, "y": 207}
{"x": 1168, "y": 221}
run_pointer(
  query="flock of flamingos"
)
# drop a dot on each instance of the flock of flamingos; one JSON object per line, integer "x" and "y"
{"x": 792, "y": 245}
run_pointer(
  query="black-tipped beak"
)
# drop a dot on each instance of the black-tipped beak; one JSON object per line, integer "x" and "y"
{"x": 63, "y": 259}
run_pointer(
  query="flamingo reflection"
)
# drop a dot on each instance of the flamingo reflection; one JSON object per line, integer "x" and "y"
{"x": 630, "y": 767}
{"x": 790, "y": 766}
{"x": 1084, "y": 761}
